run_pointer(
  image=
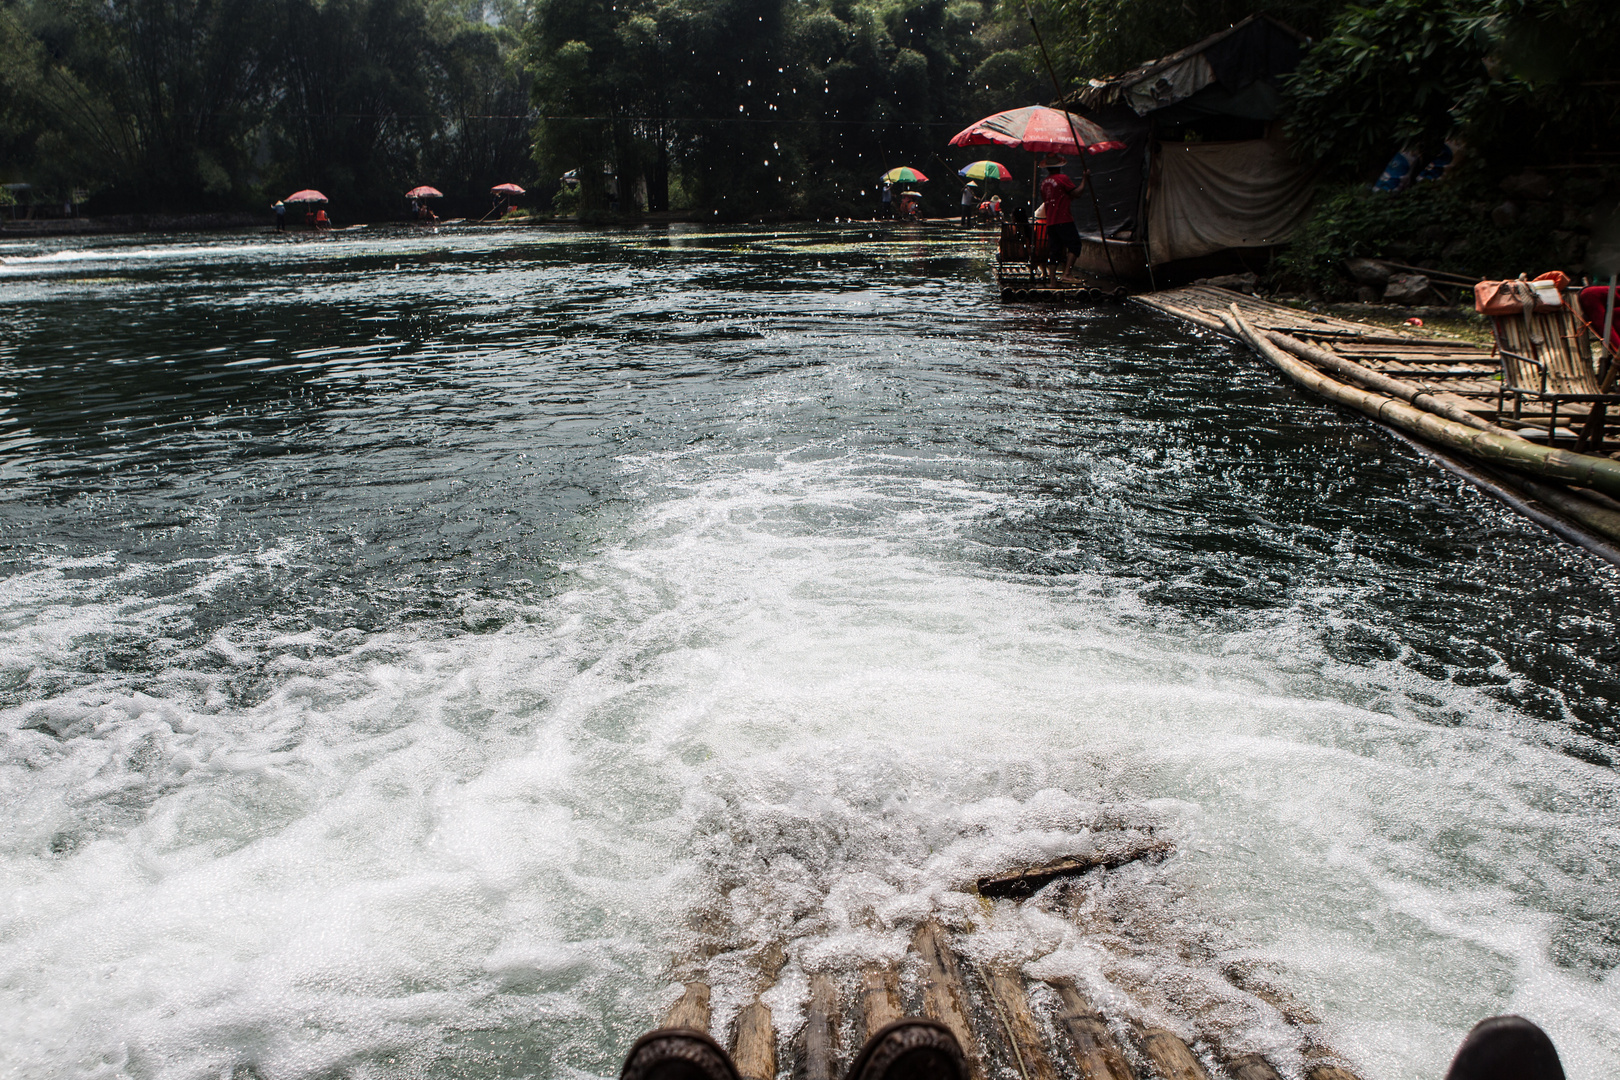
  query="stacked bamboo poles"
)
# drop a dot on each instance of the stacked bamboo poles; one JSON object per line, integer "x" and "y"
{"x": 1477, "y": 439}
{"x": 1528, "y": 476}
{"x": 992, "y": 1014}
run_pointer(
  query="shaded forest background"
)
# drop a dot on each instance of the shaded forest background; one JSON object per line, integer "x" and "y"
{"x": 731, "y": 107}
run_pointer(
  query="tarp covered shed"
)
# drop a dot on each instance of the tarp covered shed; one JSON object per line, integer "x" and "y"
{"x": 1214, "y": 174}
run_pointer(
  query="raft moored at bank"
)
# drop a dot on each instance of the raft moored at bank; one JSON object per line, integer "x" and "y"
{"x": 1447, "y": 395}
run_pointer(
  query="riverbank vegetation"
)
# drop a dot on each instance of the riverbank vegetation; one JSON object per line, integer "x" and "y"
{"x": 199, "y": 105}
{"x": 738, "y": 108}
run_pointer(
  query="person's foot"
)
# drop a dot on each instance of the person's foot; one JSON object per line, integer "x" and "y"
{"x": 1506, "y": 1048}
{"x": 677, "y": 1054}
{"x": 910, "y": 1049}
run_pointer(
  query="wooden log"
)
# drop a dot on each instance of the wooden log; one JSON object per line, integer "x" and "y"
{"x": 1587, "y": 470}
{"x": 1025, "y": 880}
{"x": 1172, "y": 1058}
{"x": 692, "y": 1011}
{"x": 755, "y": 1051}
{"x": 1252, "y": 1067}
{"x": 880, "y": 1000}
{"x": 945, "y": 996}
{"x": 1023, "y": 1036}
{"x": 1096, "y": 1054}
{"x": 821, "y": 1030}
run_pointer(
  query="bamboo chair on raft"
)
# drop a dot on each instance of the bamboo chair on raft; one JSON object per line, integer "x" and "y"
{"x": 1546, "y": 352}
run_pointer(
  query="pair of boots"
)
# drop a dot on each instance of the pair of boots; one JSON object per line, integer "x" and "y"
{"x": 1501, "y": 1048}
{"x": 908, "y": 1049}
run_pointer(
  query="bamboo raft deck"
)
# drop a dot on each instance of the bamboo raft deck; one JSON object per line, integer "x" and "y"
{"x": 1466, "y": 374}
{"x": 1009, "y": 1026}
{"x": 1022, "y": 282}
{"x": 1442, "y": 396}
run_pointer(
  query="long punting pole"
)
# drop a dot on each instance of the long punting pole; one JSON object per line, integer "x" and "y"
{"x": 1079, "y": 147}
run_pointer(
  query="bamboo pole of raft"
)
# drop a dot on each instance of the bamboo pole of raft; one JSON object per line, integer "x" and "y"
{"x": 1012, "y": 1006}
{"x": 1096, "y": 1054}
{"x": 1173, "y": 1058}
{"x": 1383, "y": 384}
{"x": 880, "y": 1000}
{"x": 945, "y": 996}
{"x": 1252, "y": 1067}
{"x": 821, "y": 1030}
{"x": 1584, "y": 469}
{"x": 692, "y": 1011}
{"x": 1583, "y": 523}
{"x": 755, "y": 1053}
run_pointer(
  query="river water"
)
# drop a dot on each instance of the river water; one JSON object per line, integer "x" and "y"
{"x": 409, "y": 641}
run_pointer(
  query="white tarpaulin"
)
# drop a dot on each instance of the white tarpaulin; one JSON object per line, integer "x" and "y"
{"x": 1171, "y": 85}
{"x": 1208, "y": 196}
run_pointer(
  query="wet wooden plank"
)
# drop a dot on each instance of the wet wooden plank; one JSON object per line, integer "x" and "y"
{"x": 1096, "y": 1054}
{"x": 755, "y": 1050}
{"x": 821, "y": 1030}
{"x": 692, "y": 1011}
{"x": 880, "y": 999}
{"x": 1011, "y": 1000}
{"x": 1171, "y": 1057}
{"x": 945, "y": 996}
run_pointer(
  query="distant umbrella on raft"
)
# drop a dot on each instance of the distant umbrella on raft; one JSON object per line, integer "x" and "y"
{"x": 424, "y": 192}
{"x": 1038, "y": 129}
{"x": 985, "y": 170}
{"x": 509, "y": 189}
{"x": 307, "y": 195}
{"x": 903, "y": 175}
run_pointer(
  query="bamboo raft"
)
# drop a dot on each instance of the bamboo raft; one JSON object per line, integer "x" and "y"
{"x": 1442, "y": 396}
{"x": 1022, "y": 282}
{"x": 1007, "y": 1025}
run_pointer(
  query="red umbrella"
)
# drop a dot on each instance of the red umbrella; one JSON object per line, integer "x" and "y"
{"x": 510, "y": 189}
{"x": 307, "y": 195}
{"x": 424, "y": 192}
{"x": 1038, "y": 129}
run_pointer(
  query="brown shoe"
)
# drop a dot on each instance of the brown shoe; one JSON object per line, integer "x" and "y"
{"x": 677, "y": 1054}
{"x": 910, "y": 1049}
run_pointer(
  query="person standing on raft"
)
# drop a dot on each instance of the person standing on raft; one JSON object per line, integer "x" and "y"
{"x": 970, "y": 203}
{"x": 1057, "y": 191}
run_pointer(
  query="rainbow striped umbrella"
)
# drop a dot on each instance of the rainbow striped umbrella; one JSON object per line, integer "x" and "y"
{"x": 903, "y": 175}
{"x": 985, "y": 170}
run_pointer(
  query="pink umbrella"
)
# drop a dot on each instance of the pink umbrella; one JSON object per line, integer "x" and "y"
{"x": 1040, "y": 130}
{"x": 510, "y": 189}
{"x": 424, "y": 192}
{"x": 307, "y": 195}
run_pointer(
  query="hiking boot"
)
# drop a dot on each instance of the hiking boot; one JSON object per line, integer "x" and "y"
{"x": 677, "y": 1054}
{"x": 910, "y": 1049}
{"x": 1506, "y": 1048}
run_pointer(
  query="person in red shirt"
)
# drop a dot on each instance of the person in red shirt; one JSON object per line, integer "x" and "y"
{"x": 1057, "y": 190}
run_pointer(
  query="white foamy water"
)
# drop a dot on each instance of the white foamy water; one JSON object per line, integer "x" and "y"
{"x": 785, "y": 698}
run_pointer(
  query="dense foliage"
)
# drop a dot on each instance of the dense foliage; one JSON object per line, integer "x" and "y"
{"x": 220, "y": 104}
{"x": 734, "y": 107}
{"x": 768, "y": 105}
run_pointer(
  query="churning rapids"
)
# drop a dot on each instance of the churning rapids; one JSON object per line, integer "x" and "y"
{"x": 404, "y": 636}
